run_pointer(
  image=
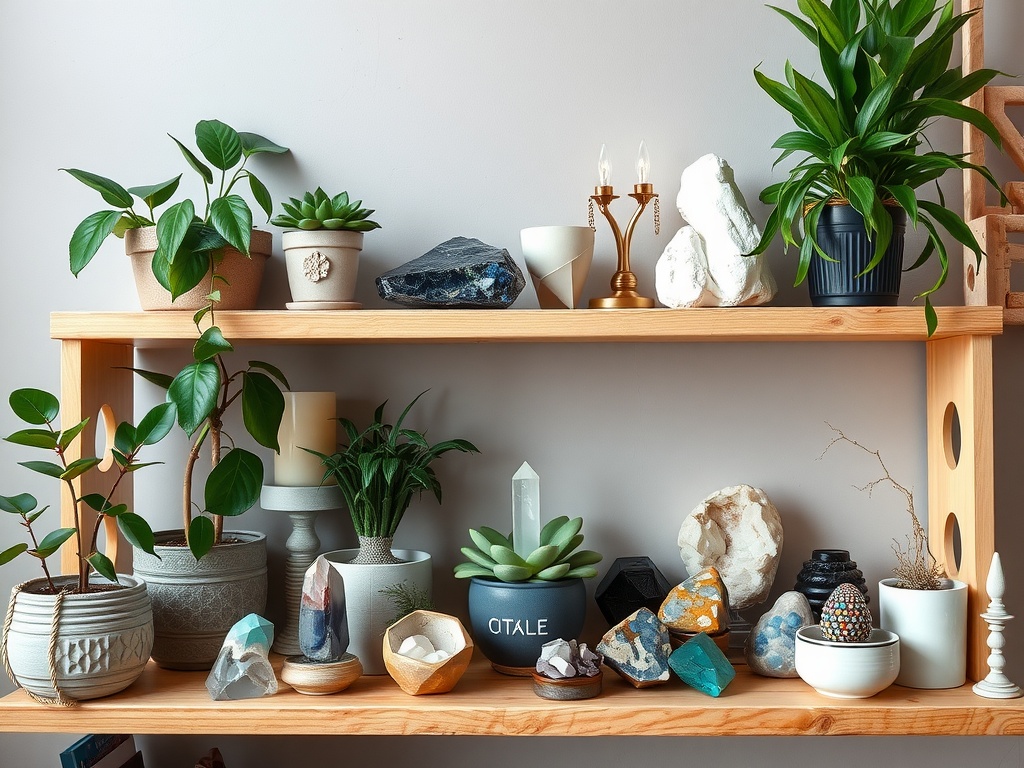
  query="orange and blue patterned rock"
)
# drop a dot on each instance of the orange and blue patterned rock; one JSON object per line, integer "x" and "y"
{"x": 845, "y": 617}
{"x": 702, "y": 665}
{"x": 699, "y": 604}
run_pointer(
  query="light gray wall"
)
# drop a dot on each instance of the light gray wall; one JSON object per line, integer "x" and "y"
{"x": 467, "y": 118}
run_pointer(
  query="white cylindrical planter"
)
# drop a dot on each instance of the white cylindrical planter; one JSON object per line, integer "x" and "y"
{"x": 932, "y": 625}
{"x": 558, "y": 259}
{"x": 308, "y": 422}
{"x": 103, "y": 638}
{"x": 369, "y": 611}
{"x": 322, "y": 268}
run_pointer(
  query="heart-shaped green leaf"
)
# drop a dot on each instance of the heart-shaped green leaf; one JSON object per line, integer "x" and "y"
{"x": 201, "y": 535}
{"x": 89, "y": 236}
{"x": 219, "y": 143}
{"x": 232, "y": 219}
{"x": 234, "y": 484}
{"x": 194, "y": 393}
{"x": 262, "y": 408}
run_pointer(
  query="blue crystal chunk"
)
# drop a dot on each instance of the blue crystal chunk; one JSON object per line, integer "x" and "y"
{"x": 702, "y": 665}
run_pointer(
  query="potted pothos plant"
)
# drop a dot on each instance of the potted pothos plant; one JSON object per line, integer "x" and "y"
{"x": 322, "y": 240}
{"x": 518, "y": 603}
{"x": 176, "y": 252}
{"x": 861, "y": 136}
{"x": 203, "y": 579}
{"x": 379, "y": 471}
{"x": 102, "y": 620}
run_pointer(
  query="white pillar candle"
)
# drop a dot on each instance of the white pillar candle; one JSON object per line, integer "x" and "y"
{"x": 308, "y": 422}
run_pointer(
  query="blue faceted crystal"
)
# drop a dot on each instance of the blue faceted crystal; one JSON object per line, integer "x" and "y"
{"x": 701, "y": 664}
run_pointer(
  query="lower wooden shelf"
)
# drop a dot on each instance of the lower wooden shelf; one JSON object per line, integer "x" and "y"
{"x": 486, "y": 703}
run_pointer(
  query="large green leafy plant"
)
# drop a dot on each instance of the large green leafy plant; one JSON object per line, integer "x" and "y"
{"x": 39, "y": 410}
{"x": 886, "y": 63}
{"x": 202, "y": 393}
{"x": 382, "y": 467}
{"x": 188, "y": 244}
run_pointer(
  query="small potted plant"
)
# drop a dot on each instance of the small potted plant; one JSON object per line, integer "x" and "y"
{"x": 379, "y": 471}
{"x": 862, "y": 137}
{"x": 927, "y": 610}
{"x": 517, "y": 604}
{"x": 105, "y": 629}
{"x": 189, "y": 256}
{"x": 203, "y": 579}
{"x": 322, "y": 241}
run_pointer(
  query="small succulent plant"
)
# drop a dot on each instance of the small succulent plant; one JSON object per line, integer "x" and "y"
{"x": 318, "y": 211}
{"x": 555, "y": 558}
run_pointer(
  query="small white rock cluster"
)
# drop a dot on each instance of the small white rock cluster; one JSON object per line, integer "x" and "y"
{"x": 560, "y": 659}
{"x": 705, "y": 264}
{"x": 420, "y": 648}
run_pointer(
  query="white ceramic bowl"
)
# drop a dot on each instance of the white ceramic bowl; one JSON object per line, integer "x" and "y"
{"x": 847, "y": 670}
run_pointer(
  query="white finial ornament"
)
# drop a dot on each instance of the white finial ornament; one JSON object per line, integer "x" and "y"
{"x": 996, "y": 684}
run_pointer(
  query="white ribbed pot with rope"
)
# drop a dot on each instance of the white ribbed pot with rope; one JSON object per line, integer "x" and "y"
{"x": 68, "y": 647}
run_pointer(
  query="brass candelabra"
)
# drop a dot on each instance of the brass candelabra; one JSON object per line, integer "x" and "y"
{"x": 624, "y": 283}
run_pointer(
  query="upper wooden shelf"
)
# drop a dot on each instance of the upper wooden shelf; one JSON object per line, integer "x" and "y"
{"x": 486, "y": 703}
{"x": 399, "y": 326}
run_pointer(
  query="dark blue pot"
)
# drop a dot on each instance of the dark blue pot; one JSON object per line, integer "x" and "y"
{"x": 510, "y": 622}
{"x": 841, "y": 235}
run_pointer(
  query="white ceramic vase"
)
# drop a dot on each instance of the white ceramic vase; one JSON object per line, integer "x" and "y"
{"x": 558, "y": 259}
{"x": 369, "y": 611}
{"x": 932, "y": 625}
{"x": 322, "y": 268}
{"x": 103, "y": 638}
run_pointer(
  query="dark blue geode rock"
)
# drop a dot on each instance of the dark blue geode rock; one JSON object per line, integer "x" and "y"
{"x": 461, "y": 273}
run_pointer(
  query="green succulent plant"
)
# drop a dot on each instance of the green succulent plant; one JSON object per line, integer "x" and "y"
{"x": 316, "y": 210}
{"x": 494, "y": 556}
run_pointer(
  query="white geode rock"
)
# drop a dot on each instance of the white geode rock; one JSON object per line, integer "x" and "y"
{"x": 738, "y": 531}
{"x": 711, "y": 269}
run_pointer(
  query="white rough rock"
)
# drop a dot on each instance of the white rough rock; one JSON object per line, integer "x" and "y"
{"x": 738, "y": 531}
{"x": 416, "y": 647}
{"x": 436, "y": 656}
{"x": 721, "y": 275}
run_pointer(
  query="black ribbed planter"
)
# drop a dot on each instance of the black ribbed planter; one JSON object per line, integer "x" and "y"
{"x": 841, "y": 235}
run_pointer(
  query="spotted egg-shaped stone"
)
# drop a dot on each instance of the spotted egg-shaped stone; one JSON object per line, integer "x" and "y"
{"x": 845, "y": 617}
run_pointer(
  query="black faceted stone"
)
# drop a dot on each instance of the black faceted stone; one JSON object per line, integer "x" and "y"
{"x": 826, "y": 570}
{"x": 461, "y": 273}
{"x": 631, "y": 583}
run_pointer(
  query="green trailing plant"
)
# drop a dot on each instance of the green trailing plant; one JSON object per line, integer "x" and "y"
{"x": 382, "y": 467}
{"x": 493, "y": 555}
{"x": 189, "y": 245}
{"x": 886, "y": 63}
{"x": 40, "y": 411}
{"x": 315, "y": 210}
{"x": 202, "y": 393}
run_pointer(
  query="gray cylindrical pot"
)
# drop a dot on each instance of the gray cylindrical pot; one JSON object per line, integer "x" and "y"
{"x": 369, "y": 611}
{"x": 195, "y": 603}
{"x": 511, "y": 621}
{"x": 322, "y": 264}
{"x": 103, "y": 638}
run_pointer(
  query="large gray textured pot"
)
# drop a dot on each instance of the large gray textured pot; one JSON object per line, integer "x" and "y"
{"x": 103, "y": 638}
{"x": 511, "y": 621}
{"x": 196, "y": 603}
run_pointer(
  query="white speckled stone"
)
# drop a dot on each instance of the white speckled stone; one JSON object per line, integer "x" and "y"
{"x": 770, "y": 649}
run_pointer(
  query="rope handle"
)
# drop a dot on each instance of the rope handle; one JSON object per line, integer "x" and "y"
{"x": 61, "y": 700}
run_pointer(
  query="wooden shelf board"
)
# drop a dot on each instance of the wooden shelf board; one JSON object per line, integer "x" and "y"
{"x": 486, "y": 703}
{"x": 750, "y": 324}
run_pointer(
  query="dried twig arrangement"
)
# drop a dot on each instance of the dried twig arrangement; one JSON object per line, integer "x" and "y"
{"x": 916, "y": 567}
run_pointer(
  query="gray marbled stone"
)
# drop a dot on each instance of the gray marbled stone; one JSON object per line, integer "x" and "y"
{"x": 461, "y": 273}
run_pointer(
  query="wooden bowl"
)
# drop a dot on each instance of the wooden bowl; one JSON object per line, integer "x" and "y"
{"x": 568, "y": 688}
{"x": 446, "y": 633}
{"x": 319, "y": 678}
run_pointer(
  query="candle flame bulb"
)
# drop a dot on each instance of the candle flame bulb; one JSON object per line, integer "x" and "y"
{"x": 604, "y": 168}
{"x": 643, "y": 163}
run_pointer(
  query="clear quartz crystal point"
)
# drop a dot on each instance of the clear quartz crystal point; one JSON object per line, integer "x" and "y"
{"x": 525, "y": 510}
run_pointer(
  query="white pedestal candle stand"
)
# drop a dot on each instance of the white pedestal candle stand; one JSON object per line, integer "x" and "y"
{"x": 302, "y": 504}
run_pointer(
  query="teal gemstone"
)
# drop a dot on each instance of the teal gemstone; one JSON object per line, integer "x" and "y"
{"x": 701, "y": 664}
{"x": 249, "y": 631}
